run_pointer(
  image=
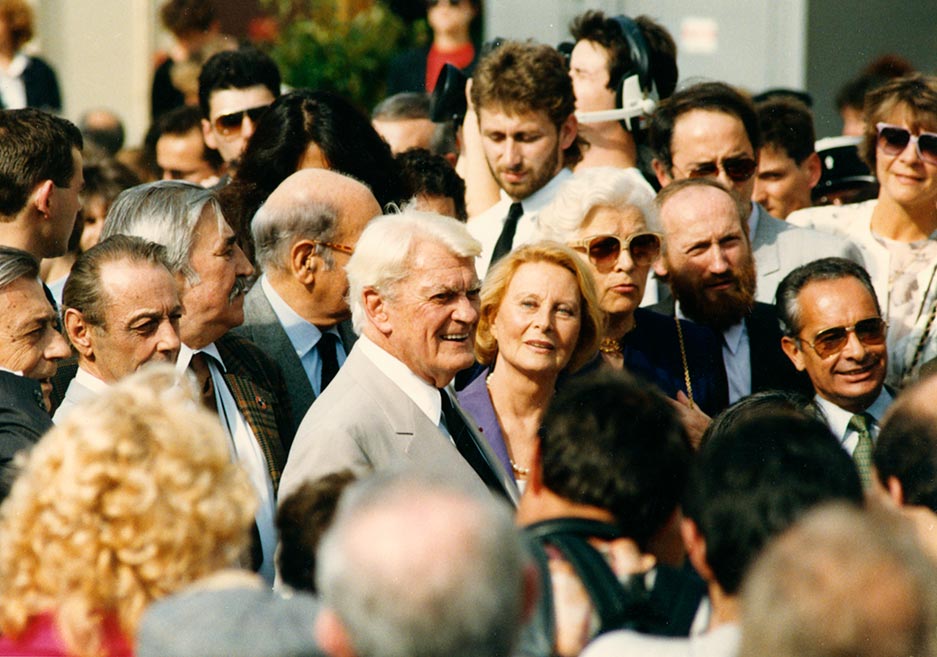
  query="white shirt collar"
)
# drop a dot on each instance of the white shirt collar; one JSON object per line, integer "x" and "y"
{"x": 425, "y": 396}
{"x": 186, "y": 352}
{"x": 838, "y": 418}
{"x": 539, "y": 199}
{"x": 302, "y": 334}
{"x": 90, "y": 381}
{"x": 17, "y": 65}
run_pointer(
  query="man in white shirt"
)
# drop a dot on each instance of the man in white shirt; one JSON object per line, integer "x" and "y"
{"x": 298, "y": 313}
{"x": 121, "y": 309}
{"x": 414, "y": 302}
{"x": 833, "y": 330}
{"x": 526, "y": 115}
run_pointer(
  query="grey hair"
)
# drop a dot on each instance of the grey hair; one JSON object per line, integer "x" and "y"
{"x": 165, "y": 212}
{"x": 400, "y": 602}
{"x": 276, "y": 228}
{"x": 591, "y": 188}
{"x": 385, "y": 249}
{"x": 16, "y": 264}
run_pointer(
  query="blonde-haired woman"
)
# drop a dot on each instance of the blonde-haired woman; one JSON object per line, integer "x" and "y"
{"x": 128, "y": 500}
{"x": 539, "y": 317}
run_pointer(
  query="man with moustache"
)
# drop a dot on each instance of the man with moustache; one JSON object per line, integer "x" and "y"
{"x": 708, "y": 262}
{"x": 236, "y": 379}
{"x": 121, "y": 309}
{"x": 526, "y": 115}
{"x": 833, "y": 330}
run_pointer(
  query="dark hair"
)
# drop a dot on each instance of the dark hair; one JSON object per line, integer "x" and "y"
{"x": 182, "y": 120}
{"x": 344, "y": 134}
{"x": 824, "y": 269}
{"x": 425, "y": 173}
{"x": 182, "y": 16}
{"x": 758, "y": 403}
{"x": 104, "y": 129}
{"x": 524, "y": 77}
{"x": 593, "y": 25}
{"x": 610, "y": 442}
{"x": 83, "y": 290}
{"x": 787, "y": 124}
{"x": 753, "y": 480}
{"x": 405, "y": 105}
{"x": 876, "y": 73}
{"x": 710, "y": 96}
{"x": 34, "y": 146}
{"x": 917, "y": 92}
{"x": 302, "y": 519}
{"x": 906, "y": 448}
{"x": 107, "y": 178}
{"x": 236, "y": 69}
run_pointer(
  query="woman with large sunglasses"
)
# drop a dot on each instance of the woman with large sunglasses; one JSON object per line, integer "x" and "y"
{"x": 608, "y": 217}
{"x": 897, "y": 231}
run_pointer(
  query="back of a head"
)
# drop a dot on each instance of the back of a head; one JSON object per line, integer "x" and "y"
{"x": 405, "y": 105}
{"x": 414, "y": 565}
{"x": 236, "y": 69}
{"x": 755, "y": 479}
{"x": 610, "y": 442}
{"x": 841, "y": 582}
{"x": 432, "y": 175}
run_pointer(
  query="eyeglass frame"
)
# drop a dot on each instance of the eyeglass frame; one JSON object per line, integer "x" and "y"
{"x": 847, "y": 329}
{"x": 912, "y": 138}
{"x": 623, "y": 244}
{"x": 253, "y": 113}
{"x": 719, "y": 165}
{"x": 344, "y": 248}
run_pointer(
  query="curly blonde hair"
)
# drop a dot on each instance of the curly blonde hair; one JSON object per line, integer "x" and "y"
{"x": 124, "y": 502}
{"x": 592, "y": 327}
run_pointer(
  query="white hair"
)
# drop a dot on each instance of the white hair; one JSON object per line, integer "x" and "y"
{"x": 385, "y": 250}
{"x": 594, "y": 187}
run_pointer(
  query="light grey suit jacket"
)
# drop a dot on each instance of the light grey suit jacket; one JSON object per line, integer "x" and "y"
{"x": 363, "y": 421}
{"x": 76, "y": 395}
{"x": 779, "y": 248}
{"x": 262, "y": 327}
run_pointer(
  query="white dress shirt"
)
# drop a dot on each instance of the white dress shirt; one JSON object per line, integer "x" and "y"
{"x": 80, "y": 389}
{"x": 302, "y": 335}
{"x": 424, "y": 395}
{"x": 838, "y": 419}
{"x": 244, "y": 450}
{"x": 12, "y": 87}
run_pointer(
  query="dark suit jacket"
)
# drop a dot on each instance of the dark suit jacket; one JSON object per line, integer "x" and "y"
{"x": 41, "y": 85}
{"x": 262, "y": 327}
{"x": 23, "y": 420}
{"x": 771, "y": 369}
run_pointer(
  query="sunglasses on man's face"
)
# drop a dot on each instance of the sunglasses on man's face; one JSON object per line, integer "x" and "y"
{"x": 738, "y": 169}
{"x": 230, "y": 124}
{"x": 893, "y": 139}
{"x": 604, "y": 250}
{"x": 870, "y": 332}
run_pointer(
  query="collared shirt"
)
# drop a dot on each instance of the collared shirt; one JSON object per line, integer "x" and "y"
{"x": 486, "y": 227}
{"x": 12, "y": 87}
{"x": 838, "y": 419}
{"x": 74, "y": 397}
{"x": 736, "y": 357}
{"x": 424, "y": 395}
{"x": 303, "y": 336}
{"x": 244, "y": 450}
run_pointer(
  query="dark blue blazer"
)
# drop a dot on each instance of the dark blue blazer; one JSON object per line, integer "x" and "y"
{"x": 23, "y": 420}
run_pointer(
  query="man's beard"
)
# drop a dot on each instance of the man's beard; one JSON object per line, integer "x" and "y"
{"x": 536, "y": 180}
{"x": 718, "y": 309}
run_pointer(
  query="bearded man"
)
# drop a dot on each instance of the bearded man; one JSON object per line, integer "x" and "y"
{"x": 708, "y": 262}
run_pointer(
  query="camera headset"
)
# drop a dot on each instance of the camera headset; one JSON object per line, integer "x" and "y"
{"x": 634, "y": 90}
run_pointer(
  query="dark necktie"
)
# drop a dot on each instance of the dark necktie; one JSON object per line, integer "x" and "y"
{"x": 327, "y": 347}
{"x": 862, "y": 424}
{"x": 468, "y": 448}
{"x": 199, "y": 365}
{"x": 506, "y": 239}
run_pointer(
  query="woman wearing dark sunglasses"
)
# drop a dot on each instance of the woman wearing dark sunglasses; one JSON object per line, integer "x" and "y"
{"x": 607, "y": 216}
{"x": 897, "y": 231}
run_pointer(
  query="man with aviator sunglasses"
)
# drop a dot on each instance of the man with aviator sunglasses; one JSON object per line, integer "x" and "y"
{"x": 833, "y": 330}
{"x": 710, "y": 130}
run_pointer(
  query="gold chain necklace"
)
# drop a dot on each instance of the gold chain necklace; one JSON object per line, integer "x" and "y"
{"x": 686, "y": 365}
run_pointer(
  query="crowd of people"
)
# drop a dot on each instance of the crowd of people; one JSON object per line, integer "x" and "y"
{"x": 578, "y": 369}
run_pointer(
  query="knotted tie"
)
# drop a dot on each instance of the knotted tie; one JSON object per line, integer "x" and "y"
{"x": 506, "y": 239}
{"x": 862, "y": 424}
{"x": 328, "y": 354}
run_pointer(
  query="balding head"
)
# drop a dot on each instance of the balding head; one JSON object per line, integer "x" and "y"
{"x": 304, "y": 234}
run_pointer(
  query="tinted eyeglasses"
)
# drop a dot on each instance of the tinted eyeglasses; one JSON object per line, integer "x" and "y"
{"x": 230, "y": 124}
{"x": 604, "y": 250}
{"x": 893, "y": 139}
{"x": 738, "y": 169}
{"x": 871, "y": 332}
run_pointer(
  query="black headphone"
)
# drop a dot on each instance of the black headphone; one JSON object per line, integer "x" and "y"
{"x": 634, "y": 88}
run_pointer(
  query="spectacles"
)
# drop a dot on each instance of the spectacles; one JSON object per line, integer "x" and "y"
{"x": 738, "y": 169}
{"x": 893, "y": 139}
{"x": 344, "y": 248}
{"x": 871, "y": 332}
{"x": 604, "y": 250}
{"x": 432, "y": 3}
{"x": 230, "y": 124}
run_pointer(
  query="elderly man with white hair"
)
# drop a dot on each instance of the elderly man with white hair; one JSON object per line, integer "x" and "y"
{"x": 414, "y": 300}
